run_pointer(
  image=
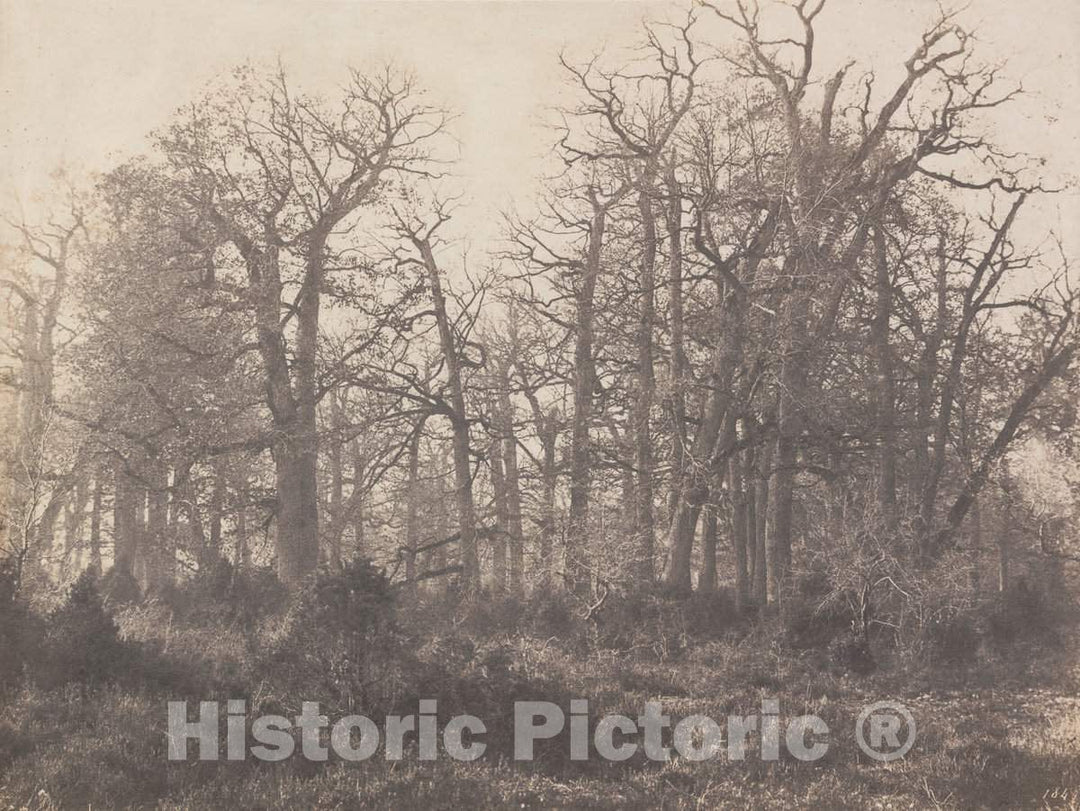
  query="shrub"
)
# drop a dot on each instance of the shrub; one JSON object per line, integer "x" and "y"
{"x": 809, "y": 624}
{"x": 339, "y": 639}
{"x": 81, "y": 643}
{"x": 550, "y": 615}
{"x": 713, "y": 616}
{"x": 119, "y": 587}
{"x": 852, "y": 653}
{"x": 1020, "y": 613}
{"x": 645, "y": 621}
{"x": 952, "y": 638}
{"x": 224, "y": 594}
{"x": 19, "y": 628}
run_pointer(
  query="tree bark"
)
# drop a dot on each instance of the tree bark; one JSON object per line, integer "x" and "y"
{"x": 679, "y": 363}
{"x": 74, "y": 520}
{"x": 694, "y": 486}
{"x": 739, "y": 544}
{"x": 336, "y": 499}
{"x": 470, "y": 574}
{"x": 886, "y": 383}
{"x": 125, "y": 522}
{"x": 355, "y": 506}
{"x": 502, "y": 516}
{"x": 158, "y": 550}
{"x": 750, "y": 486}
{"x": 793, "y": 385}
{"x": 94, "y": 562}
{"x": 295, "y": 450}
{"x": 707, "y": 579}
{"x": 646, "y": 384}
{"x": 584, "y": 381}
{"x": 761, "y": 506}
{"x": 515, "y": 531}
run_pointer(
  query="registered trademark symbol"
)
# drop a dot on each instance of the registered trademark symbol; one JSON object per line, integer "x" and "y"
{"x": 885, "y": 731}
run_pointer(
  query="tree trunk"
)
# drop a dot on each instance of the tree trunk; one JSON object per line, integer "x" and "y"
{"x": 515, "y": 531}
{"x": 125, "y": 522}
{"x": 295, "y": 466}
{"x": 1004, "y": 540}
{"x": 74, "y": 519}
{"x": 976, "y": 549}
{"x": 692, "y": 493}
{"x": 215, "y": 549}
{"x": 761, "y": 531}
{"x": 738, "y": 530}
{"x": 974, "y": 291}
{"x": 750, "y": 485}
{"x": 707, "y": 579}
{"x": 355, "y": 507}
{"x": 782, "y": 504}
{"x": 470, "y": 574}
{"x": 548, "y": 520}
{"x": 46, "y": 531}
{"x": 646, "y": 385}
{"x": 679, "y": 364}
{"x": 793, "y": 385}
{"x": 157, "y": 547}
{"x": 188, "y": 500}
{"x": 925, "y": 382}
{"x": 583, "y": 383}
{"x": 336, "y": 498}
{"x": 885, "y": 393}
{"x": 694, "y": 486}
{"x": 498, "y": 542}
{"x": 295, "y": 451}
{"x": 1003, "y": 559}
{"x": 412, "y": 501}
{"x": 243, "y": 545}
{"x": 94, "y": 563}
{"x": 442, "y": 512}
{"x": 1055, "y": 364}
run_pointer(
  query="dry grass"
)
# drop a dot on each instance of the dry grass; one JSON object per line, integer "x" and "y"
{"x": 1001, "y": 731}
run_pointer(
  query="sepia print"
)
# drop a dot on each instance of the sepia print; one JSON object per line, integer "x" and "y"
{"x": 539, "y": 404}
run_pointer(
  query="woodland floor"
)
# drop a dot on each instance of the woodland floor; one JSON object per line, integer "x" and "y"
{"x": 996, "y": 732}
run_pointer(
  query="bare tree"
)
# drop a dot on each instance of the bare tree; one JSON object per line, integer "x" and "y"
{"x": 280, "y": 178}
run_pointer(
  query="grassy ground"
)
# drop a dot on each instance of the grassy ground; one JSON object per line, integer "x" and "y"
{"x": 1001, "y": 730}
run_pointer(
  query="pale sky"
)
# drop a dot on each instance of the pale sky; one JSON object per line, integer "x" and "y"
{"x": 83, "y": 81}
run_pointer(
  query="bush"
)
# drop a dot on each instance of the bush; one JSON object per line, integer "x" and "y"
{"x": 19, "y": 629}
{"x": 808, "y": 624}
{"x": 715, "y": 615}
{"x": 339, "y": 640}
{"x": 1021, "y": 613}
{"x": 225, "y": 594}
{"x": 951, "y": 638}
{"x": 852, "y": 653}
{"x": 343, "y": 644}
{"x": 645, "y": 621}
{"x": 119, "y": 587}
{"x": 551, "y": 614}
{"x": 82, "y": 643}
